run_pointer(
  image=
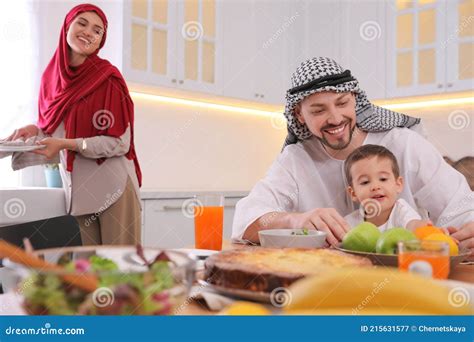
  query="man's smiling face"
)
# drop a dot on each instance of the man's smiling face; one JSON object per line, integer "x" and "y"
{"x": 330, "y": 116}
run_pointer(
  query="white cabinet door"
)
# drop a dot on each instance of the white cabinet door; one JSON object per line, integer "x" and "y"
{"x": 166, "y": 226}
{"x": 416, "y": 53}
{"x": 272, "y": 22}
{"x": 238, "y": 50}
{"x": 322, "y": 29}
{"x": 199, "y": 45}
{"x": 459, "y": 45}
{"x": 173, "y": 44}
{"x": 149, "y": 42}
{"x": 363, "y": 44}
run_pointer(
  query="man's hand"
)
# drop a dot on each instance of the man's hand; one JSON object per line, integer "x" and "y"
{"x": 413, "y": 224}
{"x": 323, "y": 219}
{"x": 465, "y": 236}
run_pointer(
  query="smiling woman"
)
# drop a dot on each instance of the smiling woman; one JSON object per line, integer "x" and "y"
{"x": 86, "y": 117}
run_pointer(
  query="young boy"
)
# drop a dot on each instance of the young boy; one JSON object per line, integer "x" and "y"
{"x": 374, "y": 180}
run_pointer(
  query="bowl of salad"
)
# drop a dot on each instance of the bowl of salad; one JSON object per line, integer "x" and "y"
{"x": 292, "y": 238}
{"x": 127, "y": 280}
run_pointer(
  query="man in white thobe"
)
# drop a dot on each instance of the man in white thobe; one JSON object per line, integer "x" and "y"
{"x": 328, "y": 117}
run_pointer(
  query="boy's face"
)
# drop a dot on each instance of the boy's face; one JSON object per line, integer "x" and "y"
{"x": 374, "y": 184}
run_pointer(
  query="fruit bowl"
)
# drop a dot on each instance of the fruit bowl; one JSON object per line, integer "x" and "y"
{"x": 392, "y": 259}
{"x": 129, "y": 281}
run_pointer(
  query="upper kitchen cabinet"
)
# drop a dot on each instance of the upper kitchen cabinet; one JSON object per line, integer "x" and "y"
{"x": 173, "y": 43}
{"x": 430, "y": 46}
{"x": 256, "y": 49}
{"x": 460, "y": 45}
{"x": 362, "y": 42}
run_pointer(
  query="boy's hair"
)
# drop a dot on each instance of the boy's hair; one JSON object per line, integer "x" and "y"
{"x": 365, "y": 152}
{"x": 466, "y": 167}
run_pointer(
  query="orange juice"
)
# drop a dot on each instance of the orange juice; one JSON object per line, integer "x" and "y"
{"x": 425, "y": 263}
{"x": 208, "y": 226}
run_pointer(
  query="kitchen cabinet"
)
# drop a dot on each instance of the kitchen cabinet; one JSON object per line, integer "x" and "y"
{"x": 165, "y": 224}
{"x": 430, "y": 47}
{"x": 363, "y": 44}
{"x": 256, "y": 49}
{"x": 173, "y": 44}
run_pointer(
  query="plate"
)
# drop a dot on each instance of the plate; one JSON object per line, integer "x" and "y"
{"x": 22, "y": 148}
{"x": 262, "y": 297}
{"x": 392, "y": 259}
{"x": 198, "y": 253}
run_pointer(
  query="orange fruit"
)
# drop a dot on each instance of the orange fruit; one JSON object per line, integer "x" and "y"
{"x": 423, "y": 232}
{"x": 453, "y": 247}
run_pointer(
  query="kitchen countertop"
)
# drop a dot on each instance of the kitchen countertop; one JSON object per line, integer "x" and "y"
{"x": 150, "y": 193}
{"x": 30, "y": 204}
{"x": 37, "y": 203}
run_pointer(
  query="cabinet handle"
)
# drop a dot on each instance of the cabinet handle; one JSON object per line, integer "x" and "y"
{"x": 440, "y": 86}
{"x": 181, "y": 82}
{"x": 173, "y": 80}
{"x": 449, "y": 85}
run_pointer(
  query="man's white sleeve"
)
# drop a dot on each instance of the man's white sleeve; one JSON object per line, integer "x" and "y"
{"x": 277, "y": 192}
{"x": 437, "y": 186}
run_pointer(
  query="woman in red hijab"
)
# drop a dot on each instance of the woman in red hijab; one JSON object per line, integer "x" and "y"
{"x": 86, "y": 116}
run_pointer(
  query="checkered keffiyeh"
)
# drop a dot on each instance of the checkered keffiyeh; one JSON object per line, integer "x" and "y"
{"x": 369, "y": 117}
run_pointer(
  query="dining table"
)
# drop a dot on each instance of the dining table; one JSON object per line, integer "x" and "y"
{"x": 10, "y": 303}
{"x": 463, "y": 272}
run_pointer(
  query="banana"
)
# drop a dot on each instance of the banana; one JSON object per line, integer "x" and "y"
{"x": 354, "y": 290}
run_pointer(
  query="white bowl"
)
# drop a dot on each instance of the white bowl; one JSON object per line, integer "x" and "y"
{"x": 291, "y": 238}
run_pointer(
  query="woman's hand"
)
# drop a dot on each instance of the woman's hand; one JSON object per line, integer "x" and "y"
{"x": 53, "y": 146}
{"x": 24, "y": 133}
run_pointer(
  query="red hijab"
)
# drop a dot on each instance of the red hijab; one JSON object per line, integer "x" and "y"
{"x": 91, "y": 99}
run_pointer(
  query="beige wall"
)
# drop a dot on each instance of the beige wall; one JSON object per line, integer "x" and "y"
{"x": 190, "y": 148}
{"x": 183, "y": 147}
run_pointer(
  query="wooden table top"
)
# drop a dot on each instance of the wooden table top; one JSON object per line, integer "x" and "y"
{"x": 462, "y": 272}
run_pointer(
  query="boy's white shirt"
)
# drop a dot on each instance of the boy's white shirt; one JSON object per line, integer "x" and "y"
{"x": 401, "y": 214}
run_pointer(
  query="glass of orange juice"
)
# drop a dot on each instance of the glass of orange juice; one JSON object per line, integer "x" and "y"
{"x": 209, "y": 221}
{"x": 427, "y": 258}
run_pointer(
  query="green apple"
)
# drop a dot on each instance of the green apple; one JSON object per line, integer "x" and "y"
{"x": 387, "y": 242}
{"x": 361, "y": 238}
